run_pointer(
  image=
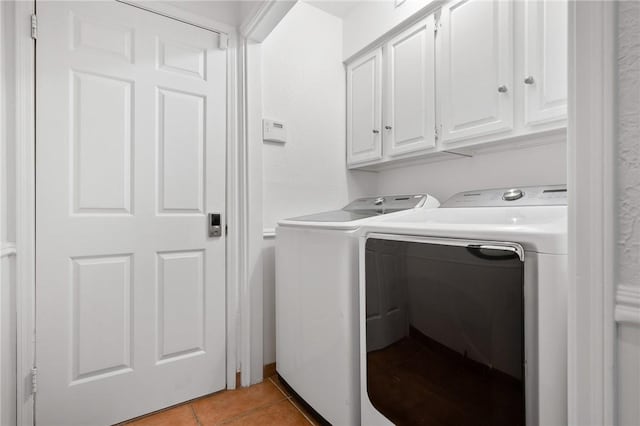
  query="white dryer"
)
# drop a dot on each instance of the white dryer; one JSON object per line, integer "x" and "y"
{"x": 317, "y": 352}
{"x": 463, "y": 312}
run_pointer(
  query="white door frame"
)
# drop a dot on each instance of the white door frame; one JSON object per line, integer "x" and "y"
{"x": 25, "y": 209}
{"x": 25, "y": 196}
{"x": 592, "y": 206}
{"x": 253, "y": 31}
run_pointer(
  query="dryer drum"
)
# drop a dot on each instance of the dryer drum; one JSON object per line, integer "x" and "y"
{"x": 445, "y": 333}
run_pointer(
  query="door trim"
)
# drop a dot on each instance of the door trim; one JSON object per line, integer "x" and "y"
{"x": 592, "y": 217}
{"x": 181, "y": 15}
{"x": 25, "y": 210}
{"x": 249, "y": 188}
{"x": 25, "y": 122}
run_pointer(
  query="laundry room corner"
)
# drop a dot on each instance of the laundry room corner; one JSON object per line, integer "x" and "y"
{"x": 304, "y": 87}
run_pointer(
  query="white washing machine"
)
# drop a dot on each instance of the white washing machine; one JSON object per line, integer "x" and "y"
{"x": 463, "y": 312}
{"x": 317, "y": 340}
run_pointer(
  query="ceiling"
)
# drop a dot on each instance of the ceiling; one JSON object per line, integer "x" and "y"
{"x": 335, "y": 7}
{"x": 234, "y": 12}
{"x": 228, "y": 12}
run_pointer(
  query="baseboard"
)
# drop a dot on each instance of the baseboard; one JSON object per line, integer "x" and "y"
{"x": 627, "y": 308}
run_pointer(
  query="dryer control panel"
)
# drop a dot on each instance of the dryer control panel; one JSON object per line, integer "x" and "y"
{"x": 551, "y": 195}
{"x": 387, "y": 203}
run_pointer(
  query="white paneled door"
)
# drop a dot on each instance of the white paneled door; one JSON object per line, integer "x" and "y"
{"x": 475, "y": 71}
{"x": 131, "y": 135}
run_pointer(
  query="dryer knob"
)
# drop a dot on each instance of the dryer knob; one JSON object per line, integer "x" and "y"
{"x": 512, "y": 195}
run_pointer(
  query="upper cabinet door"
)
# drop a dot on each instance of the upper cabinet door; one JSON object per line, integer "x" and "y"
{"x": 475, "y": 73}
{"x": 409, "y": 115}
{"x": 545, "y": 57}
{"x": 364, "y": 90}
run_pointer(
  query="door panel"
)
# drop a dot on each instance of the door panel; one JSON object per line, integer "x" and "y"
{"x": 364, "y": 90}
{"x": 476, "y": 69}
{"x": 410, "y": 106}
{"x": 131, "y": 124}
{"x": 102, "y": 133}
{"x": 101, "y": 307}
{"x": 181, "y": 133}
{"x": 181, "y": 290}
{"x": 545, "y": 53}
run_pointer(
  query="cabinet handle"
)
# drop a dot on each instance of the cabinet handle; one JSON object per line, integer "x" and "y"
{"x": 387, "y": 127}
{"x": 376, "y": 131}
{"x": 529, "y": 80}
{"x": 502, "y": 89}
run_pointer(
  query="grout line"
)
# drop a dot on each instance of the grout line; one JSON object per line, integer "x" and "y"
{"x": 256, "y": 408}
{"x": 195, "y": 415}
{"x": 285, "y": 397}
{"x": 250, "y": 411}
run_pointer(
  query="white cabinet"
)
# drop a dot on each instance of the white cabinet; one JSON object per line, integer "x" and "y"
{"x": 475, "y": 73}
{"x": 409, "y": 112}
{"x": 545, "y": 61}
{"x": 364, "y": 101}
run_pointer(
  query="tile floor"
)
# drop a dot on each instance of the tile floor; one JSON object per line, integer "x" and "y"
{"x": 267, "y": 403}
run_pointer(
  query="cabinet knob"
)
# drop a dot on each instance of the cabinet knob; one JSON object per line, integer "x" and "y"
{"x": 387, "y": 127}
{"x": 502, "y": 89}
{"x": 529, "y": 80}
{"x": 376, "y": 131}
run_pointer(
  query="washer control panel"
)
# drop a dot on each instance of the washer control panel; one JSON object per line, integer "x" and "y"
{"x": 513, "y": 194}
{"x": 551, "y": 195}
{"x": 387, "y": 203}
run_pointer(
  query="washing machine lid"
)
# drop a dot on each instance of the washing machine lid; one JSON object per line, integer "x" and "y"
{"x": 359, "y": 211}
{"x": 335, "y": 216}
{"x": 538, "y": 223}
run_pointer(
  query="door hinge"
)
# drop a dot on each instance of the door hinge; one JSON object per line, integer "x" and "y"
{"x": 437, "y": 132}
{"x": 226, "y": 229}
{"x": 34, "y": 380}
{"x": 34, "y": 27}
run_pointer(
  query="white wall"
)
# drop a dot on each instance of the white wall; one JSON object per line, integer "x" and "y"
{"x": 540, "y": 165}
{"x": 304, "y": 85}
{"x": 628, "y": 208}
{"x": 369, "y": 20}
{"x": 7, "y": 220}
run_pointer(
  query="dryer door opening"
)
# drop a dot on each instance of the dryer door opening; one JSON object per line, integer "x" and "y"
{"x": 445, "y": 332}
